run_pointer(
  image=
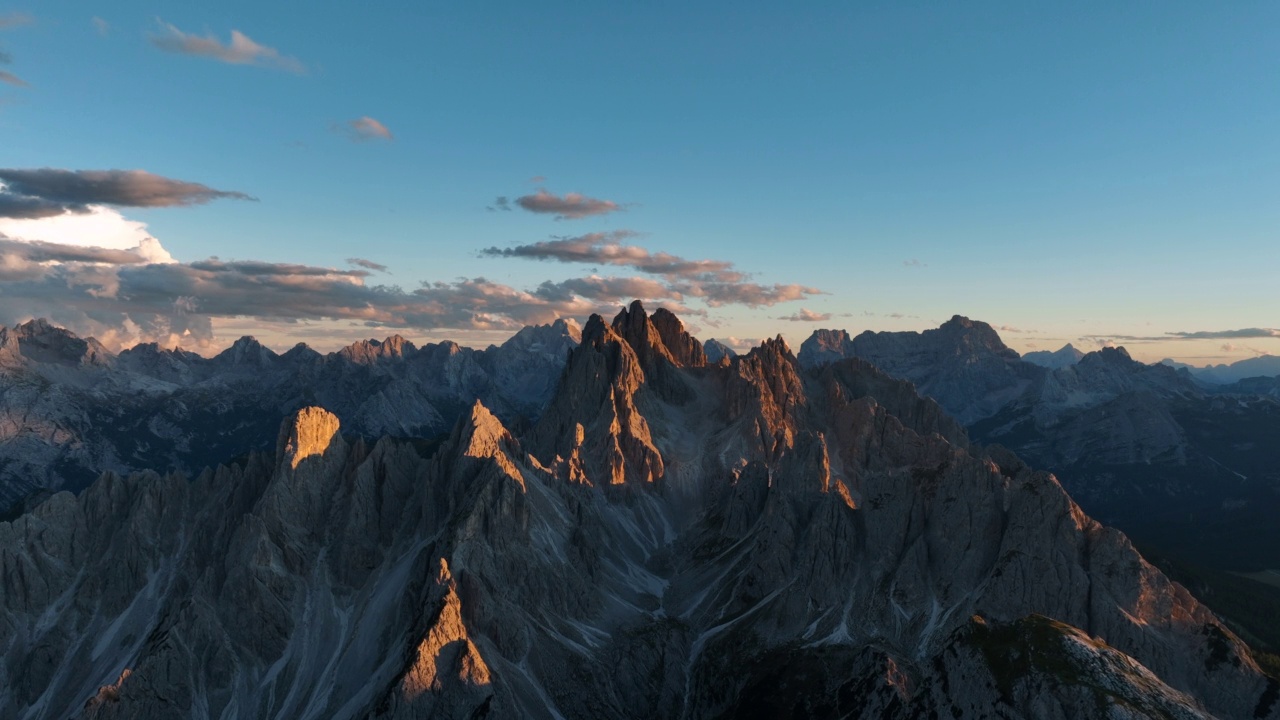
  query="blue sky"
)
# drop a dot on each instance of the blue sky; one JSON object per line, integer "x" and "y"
{"x": 1087, "y": 173}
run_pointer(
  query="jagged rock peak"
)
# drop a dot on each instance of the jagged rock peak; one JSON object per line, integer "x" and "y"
{"x": 447, "y": 671}
{"x": 301, "y": 351}
{"x": 825, "y": 346}
{"x": 1110, "y": 355}
{"x": 369, "y": 351}
{"x": 44, "y": 342}
{"x": 683, "y": 347}
{"x": 308, "y": 432}
{"x": 247, "y": 351}
{"x": 594, "y": 331}
{"x": 976, "y": 332}
{"x": 633, "y": 325}
{"x": 37, "y": 327}
{"x": 482, "y": 433}
{"x": 716, "y": 351}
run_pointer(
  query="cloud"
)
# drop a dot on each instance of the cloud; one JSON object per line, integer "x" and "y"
{"x": 499, "y": 203}
{"x": 15, "y": 19}
{"x": 100, "y": 227}
{"x": 1241, "y": 334}
{"x": 715, "y": 282}
{"x": 806, "y": 315}
{"x": 570, "y": 207}
{"x": 102, "y": 26}
{"x": 242, "y": 50}
{"x": 39, "y": 251}
{"x": 11, "y": 79}
{"x": 605, "y": 248}
{"x": 46, "y": 192}
{"x": 914, "y": 263}
{"x": 366, "y": 128}
{"x": 1226, "y": 334}
{"x": 611, "y": 290}
{"x": 740, "y": 344}
{"x": 1009, "y": 329}
{"x": 368, "y": 264}
{"x": 749, "y": 294}
{"x": 120, "y": 297}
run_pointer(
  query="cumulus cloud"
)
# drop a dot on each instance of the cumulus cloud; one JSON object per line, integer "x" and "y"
{"x": 806, "y": 315}
{"x": 100, "y": 227}
{"x": 365, "y": 128}
{"x": 47, "y": 192}
{"x": 715, "y": 282}
{"x": 571, "y": 206}
{"x": 368, "y": 264}
{"x": 10, "y": 79}
{"x": 241, "y": 50}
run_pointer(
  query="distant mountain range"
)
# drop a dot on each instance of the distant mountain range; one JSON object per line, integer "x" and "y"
{"x": 1261, "y": 366}
{"x": 1144, "y": 447}
{"x": 72, "y": 410}
{"x": 672, "y": 536}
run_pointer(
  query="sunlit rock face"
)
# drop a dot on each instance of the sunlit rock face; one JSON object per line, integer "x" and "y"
{"x": 669, "y": 539}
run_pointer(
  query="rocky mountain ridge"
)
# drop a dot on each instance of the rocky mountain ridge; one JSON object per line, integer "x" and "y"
{"x": 671, "y": 538}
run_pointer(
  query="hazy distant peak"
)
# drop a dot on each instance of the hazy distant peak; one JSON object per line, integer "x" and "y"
{"x": 1064, "y": 356}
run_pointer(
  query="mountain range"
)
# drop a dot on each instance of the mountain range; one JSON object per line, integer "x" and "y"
{"x": 72, "y": 410}
{"x": 1267, "y": 366}
{"x": 668, "y": 532}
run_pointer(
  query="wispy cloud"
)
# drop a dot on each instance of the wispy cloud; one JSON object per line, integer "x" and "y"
{"x": 366, "y": 128}
{"x": 606, "y": 248}
{"x": 5, "y": 58}
{"x": 806, "y": 315}
{"x": 15, "y": 252}
{"x": 1240, "y": 334}
{"x": 102, "y": 26}
{"x": 15, "y": 19}
{"x": 914, "y": 263}
{"x": 571, "y": 206}
{"x": 1224, "y": 334}
{"x": 47, "y": 192}
{"x": 368, "y": 264}
{"x": 241, "y": 50}
{"x": 715, "y": 282}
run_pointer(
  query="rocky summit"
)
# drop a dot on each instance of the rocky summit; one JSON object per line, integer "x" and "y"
{"x": 672, "y": 537}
